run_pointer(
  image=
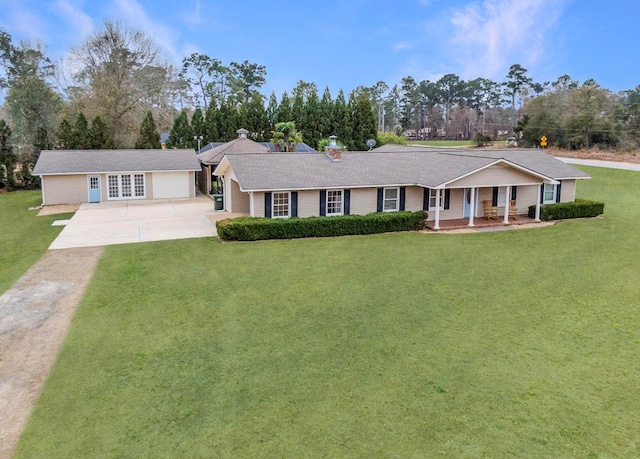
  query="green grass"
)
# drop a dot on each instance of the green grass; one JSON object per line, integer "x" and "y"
{"x": 505, "y": 344}
{"x": 24, "y": 237}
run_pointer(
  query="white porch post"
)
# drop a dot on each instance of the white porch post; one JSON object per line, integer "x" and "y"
{"x": 472, "y": 209}
{"x": 538, "y": 203}
{"x": 251, "y": 205}
{"x": 436, "y": 223}
{"x": 507, "y": 195}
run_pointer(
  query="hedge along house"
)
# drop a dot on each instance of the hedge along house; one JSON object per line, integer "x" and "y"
{"x": 211, "y": 155}
{"x": 81, "y": 176}
{"x": 449, "y": 184}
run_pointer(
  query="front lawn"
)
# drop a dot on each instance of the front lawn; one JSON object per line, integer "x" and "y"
{"x": 24, "y": 237}
{"x": 505, "y": 344}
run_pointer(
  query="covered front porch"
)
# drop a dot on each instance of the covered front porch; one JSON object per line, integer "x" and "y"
{"x": 460, "y": 223}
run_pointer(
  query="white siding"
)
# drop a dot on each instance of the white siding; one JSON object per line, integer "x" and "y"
{"x": 66, "y": 189}
{"x": 364, "y": 201}
{"x": 568, "y": 191}
{"x": 414, "y": 198}
{"x": 308, "y": 203}
{"x": 239, "y": 200}
{"x": 497, "y": 175}
{"x": 258, "y": 204}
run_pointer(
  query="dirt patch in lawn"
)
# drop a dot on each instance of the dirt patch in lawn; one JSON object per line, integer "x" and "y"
{"x": 626, "y": 157}
{"x": 35, "y": 315}
{"x": 59, "y": 209}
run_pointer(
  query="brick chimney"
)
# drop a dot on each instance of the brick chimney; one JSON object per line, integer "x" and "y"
{"x": 333, "y": 151}
{"x": 242, "y": 133}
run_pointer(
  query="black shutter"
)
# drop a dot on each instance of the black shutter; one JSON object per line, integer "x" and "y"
{"x": 447, "y": 198}
{"x": 403, "y": 197}
{"x": 514, "y": 193}
{"x": 267, "y": 204}
{"x": 425, "y": 199}
{"x": 380, "y": 199}
{"x": 294, "y": 203}
{"x": 558, "y": 189}
{"x": 346, "y": 195}
{"x": 542, "y": 193}
{"x": 494, "y": 199}
{"x": 323, "y": 203}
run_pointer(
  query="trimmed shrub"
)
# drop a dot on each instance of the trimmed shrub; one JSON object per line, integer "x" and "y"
{"x": 580, "y": 208}
{"x": 254, "y": 229}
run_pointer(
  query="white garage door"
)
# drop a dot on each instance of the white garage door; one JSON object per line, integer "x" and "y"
{"x": 170, "y": 185}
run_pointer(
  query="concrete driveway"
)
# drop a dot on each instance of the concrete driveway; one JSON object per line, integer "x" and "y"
{"x": 124, "y": 222}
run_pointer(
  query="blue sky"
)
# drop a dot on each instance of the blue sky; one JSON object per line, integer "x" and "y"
{"x": 348, "y": 43}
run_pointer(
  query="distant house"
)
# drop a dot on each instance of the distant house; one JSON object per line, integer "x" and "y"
{"x": 211, "y": 154}
{"x": 79, "y": 176}
{"x": 449, "y": 184}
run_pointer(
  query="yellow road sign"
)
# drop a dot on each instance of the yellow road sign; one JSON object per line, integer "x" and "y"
{"x": 543, "y": 139}
{"x": 543, "y": 144}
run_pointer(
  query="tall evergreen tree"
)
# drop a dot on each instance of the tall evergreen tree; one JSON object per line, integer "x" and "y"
{"x": 100, "y": 135}
{"x": 311, "y": 120}
{"x": 228, "y": 121}
{"x": 363, "y": 123}
{"x": 325, "y": 114}
{"x": 148, "y": 137}
{"x": 197, "y": 126}
{"x": 7, "y": 160}
{"x": 64, "y": 136}
{"x": 341, "y": 121}
{"x": 81, "y": 134}
{"x": 272, "y": 110}
{"x": 284, "y": 109}
{"x": 181, "y": 135}
{"x": 211, "y": 120}
{"x": 253, "y": 118}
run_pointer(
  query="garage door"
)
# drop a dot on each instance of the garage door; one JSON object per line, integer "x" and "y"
{"x": 170, "y": 185}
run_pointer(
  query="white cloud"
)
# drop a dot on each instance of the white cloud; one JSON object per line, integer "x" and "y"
{"x": 163, "y": 35}
{"x": 490, "y": 36}
{"x": 21, "y": 22}
{"x": 75, "y": 17}
{"x": 403, "y": 45}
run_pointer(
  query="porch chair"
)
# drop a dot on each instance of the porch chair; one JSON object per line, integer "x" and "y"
{"x": 489, "y": 210}
{"x": 513, "y": 210}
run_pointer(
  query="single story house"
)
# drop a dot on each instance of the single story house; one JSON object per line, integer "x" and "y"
{"x": 448, "y": 183}
{"x": 79, "y": 176}
{"x": 211, "y": 154}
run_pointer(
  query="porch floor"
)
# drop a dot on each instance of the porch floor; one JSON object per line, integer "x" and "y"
{"x": 480, "y": 222}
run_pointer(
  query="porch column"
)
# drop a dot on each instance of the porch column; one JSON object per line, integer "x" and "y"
{"x": 507, "y": 195}
{"x": 538, "y": 203}
{"x": 251, "y": 205}
{"x": 472, "y": 210}
{"x": 436, "y": 223}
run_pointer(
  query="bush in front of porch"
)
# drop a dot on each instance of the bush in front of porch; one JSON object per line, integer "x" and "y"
{"x": 580, "y": 208}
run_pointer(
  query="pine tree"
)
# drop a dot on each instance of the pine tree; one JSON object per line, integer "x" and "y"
{"x": 101, "y": 138}
{"x": 81, "y": 134}
{"x": 228, "y": 122}
{"x": 341, "y": 121}
{"x": 148, "y": 137}
{"x": 284, "y": 109}
{"x": 181, "y": 135}
{"x": 197, "y": 126}
{"x": 311, "y": 119}
{"x": 272, "y": 111}
{"x": 325, "y": 111}
{"x": 254, "y": 118}
{"x": 7, "y": 160}
{"x": 211, "y": 119}
{"x": 363, "y": 122}
{"x": 65, "y": 136}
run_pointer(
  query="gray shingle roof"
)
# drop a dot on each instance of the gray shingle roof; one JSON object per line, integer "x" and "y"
{"x": 240, "y": 145}
{"x": 429, "y": 168}
{"x": 101, "y": 161}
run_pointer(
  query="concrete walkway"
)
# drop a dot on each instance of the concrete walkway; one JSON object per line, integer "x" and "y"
{"x": 599, "y": 163}
{"x": 123, "y": 222}
{"x": 35, "y": 315}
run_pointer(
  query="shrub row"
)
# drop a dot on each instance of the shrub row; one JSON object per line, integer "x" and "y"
{"x": 254, "y": 229}
{"x": 580, "y": 208}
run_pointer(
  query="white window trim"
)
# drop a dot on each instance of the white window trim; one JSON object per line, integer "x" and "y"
{"x": 273, "y": 200}
{"x": 132, "y": 177}
{"x": 544, "y": 193}
{"x": 433, "y": 193}
{"x": 397, "y": 199}
{"x": 341, "y": 211}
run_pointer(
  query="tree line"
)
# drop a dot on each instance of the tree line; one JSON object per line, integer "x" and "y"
{"x": 117, "y": 91}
